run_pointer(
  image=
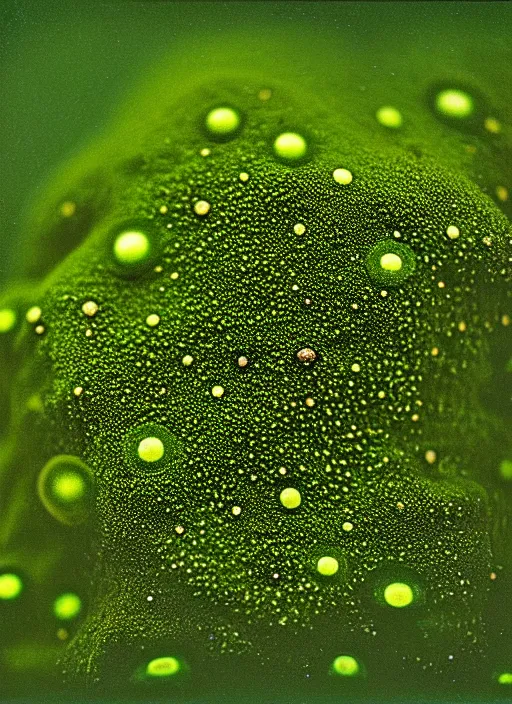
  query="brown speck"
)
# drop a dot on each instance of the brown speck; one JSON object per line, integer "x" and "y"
{"x": 306, "y": 355}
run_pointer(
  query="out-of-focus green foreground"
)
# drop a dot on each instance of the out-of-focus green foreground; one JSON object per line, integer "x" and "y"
{"x": 256, "y": 382}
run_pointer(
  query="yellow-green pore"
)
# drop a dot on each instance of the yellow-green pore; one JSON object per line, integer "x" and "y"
{"x": 254, "y": 352}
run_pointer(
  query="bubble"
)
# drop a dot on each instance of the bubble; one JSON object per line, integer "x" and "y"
{"x": 345, "y": 665}
{"x": 502, "y": 193}
{"x": 455, "y": 103}
{"x": 33, "y": 314}
{"x": 150, "y": 449}
{"x": 67, "y": 606}
{"x": 506, "y": 469}
{"x": 390, "y": 262}
{"x": 398, "y": 594}
{"x": 7, "y": 319}
{"x": 222, "y": 122}
{"x": 505, "y": 678}
{"x": 217, "y": 391}
{"x": 66, "y": 489}
{"x": 152, "y": 320}
{"x": 290, "y": 498}
{"x": 187, "y": 360}
{"x": 68, "y": 208}
{"x": 131, "y": 247}
{"x": 11, "y": 586}
{"x": 343, "y": 176}
{"x": 202, "y": 207}
{"x": 453, "y": 232}
{"x": 347, "y": 526}
{"x": 69, "y": 486}
{"x": 90, "y": 308}
{"x": 492, "y": 125}
{"x": 389, "y": 116}
{"x": 290, "y": 146}
{"x": 299, "y": 228}
{"x": 327, "y": 566}
{"x": 163, "y": 667}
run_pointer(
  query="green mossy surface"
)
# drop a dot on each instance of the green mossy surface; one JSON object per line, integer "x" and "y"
{"x": 388, "y": 428}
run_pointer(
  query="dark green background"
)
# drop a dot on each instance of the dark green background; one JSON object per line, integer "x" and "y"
{"x": 64, "y": 67}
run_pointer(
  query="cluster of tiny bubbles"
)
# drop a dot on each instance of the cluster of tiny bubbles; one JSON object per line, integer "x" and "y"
{"x": 66, "y": 489}
{"x": 134, "y": 247}
{"x": 390, "y": 262}
{"x": 223, "y": 123}
{"x": 151, "y": 448}
{"x": 388, "y": 116}
{"x": 67, "y": 606}
{"x": 504, "y": 678}
{"x": 11, "y": 586}
{"x": 346, "y": 666}
{"x": 7, "y": 319}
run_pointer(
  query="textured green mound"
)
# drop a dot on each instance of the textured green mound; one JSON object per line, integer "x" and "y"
{"x": 253, "y": 390}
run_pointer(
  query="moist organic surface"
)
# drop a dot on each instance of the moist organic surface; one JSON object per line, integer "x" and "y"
{"x": 251, "y": 437}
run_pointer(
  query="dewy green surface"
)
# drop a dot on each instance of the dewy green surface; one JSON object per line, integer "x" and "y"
{"x": 264, "y": 434}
